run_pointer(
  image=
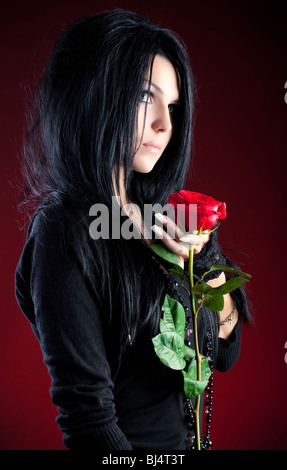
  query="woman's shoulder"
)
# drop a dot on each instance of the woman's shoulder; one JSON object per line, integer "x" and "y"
{"x": 47, "y": 225}
{"x": 55, "y": 231}
{"x": 56, "y": 220}
{"x": 61, "y": 232}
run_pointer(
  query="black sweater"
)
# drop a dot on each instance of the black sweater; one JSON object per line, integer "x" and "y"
{"x": 138, "y": 405}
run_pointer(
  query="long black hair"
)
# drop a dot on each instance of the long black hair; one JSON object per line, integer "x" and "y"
{"x": 82, "y": 128}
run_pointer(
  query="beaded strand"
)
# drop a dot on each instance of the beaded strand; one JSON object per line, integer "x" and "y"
{"x": 208, "y": 393}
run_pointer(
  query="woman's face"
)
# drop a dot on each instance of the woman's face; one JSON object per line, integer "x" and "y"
{"x": 155, "y": 124}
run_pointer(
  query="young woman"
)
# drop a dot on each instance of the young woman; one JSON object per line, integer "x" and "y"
{"x": 111, "y": 121}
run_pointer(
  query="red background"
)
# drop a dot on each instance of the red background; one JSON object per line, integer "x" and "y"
{"x": 238, "y": 53}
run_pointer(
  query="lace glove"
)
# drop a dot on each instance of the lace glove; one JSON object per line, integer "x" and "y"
{"x": 209, "y": 255}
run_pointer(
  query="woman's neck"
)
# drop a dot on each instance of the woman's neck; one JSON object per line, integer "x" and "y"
{"x": 130, "y": 208}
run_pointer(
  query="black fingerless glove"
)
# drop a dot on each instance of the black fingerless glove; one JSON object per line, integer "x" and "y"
{"x": 209, "y": 255}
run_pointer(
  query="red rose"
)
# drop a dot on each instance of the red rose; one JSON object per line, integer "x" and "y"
{"x": 207, "y": 209}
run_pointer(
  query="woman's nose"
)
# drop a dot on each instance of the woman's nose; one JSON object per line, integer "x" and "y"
{"x": 162, "y": 121}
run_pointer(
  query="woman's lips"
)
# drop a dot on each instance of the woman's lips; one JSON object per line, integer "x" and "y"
{"x": 153, "y": 147}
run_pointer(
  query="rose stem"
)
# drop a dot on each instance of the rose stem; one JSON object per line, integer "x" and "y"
{"x": 197, "y": 403}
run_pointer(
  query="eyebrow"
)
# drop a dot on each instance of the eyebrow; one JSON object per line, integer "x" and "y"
{"x": 158, "y": 88}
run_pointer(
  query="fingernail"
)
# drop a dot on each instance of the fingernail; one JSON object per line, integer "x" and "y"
{"x": 188, "y": 239}
{"x": 161, "y": 218}
{"x": 157, "y": 230}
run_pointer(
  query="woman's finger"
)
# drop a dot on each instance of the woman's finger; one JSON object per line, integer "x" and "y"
{"x": 175, "y": 232}
{"x": 180, "y": 249}
{"x": 195, "y": 240}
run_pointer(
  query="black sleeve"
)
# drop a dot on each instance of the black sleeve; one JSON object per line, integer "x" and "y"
{"x": 229, "y": 349}
{"x": 66, "y": 317}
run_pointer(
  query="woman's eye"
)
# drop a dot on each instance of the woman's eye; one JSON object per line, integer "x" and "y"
{"x": 145, "y": 96}
{"x": 171, "y": 108}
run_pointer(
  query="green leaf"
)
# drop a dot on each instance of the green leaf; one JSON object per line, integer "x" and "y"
{"x": 189, "y": 354}
{"x": 170, "y": 349}
{"x": 200, "y": 290}
{"x": 219, "y": 267}
{"x": 176, "y": 269}
{"x": 171, "y": 257}
{"x": 166, "y": 326}
{"x": 214, "y": 302}
{"x": 178, "y": 272}
{"x": 205, "y": 369}
{"x": 192, "y": 386}
{"x": 173, "y": 317}
{"x": 228, "y": 286}
{"x": 213, "y": 296}
{"x": 164, "y": 253}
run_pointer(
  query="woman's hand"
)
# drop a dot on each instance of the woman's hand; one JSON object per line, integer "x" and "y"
{"x": 178, "y": 241}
